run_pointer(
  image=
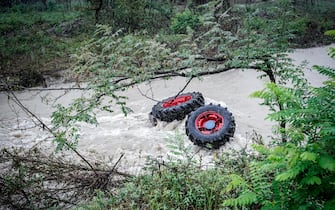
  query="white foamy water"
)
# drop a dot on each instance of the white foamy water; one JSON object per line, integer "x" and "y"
{"x": 134, "y": 135}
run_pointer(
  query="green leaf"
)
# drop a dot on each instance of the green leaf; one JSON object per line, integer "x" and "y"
{"x": 236, "y": 181}
{"x": 329, "y": 205}
{"x": 247, "y": 198}
{"x": 311, "y": 180}
{"x": 330, "y": 33}
{"x": 260, "y": 148}
{"x": 327, "y": 71}
{"x": 332, "y": 52}
{"x": 289, "y": 174}
{"x": 308, "y": 156}
{"x": 244, "y": 199}
{"x": 327, "y": 162}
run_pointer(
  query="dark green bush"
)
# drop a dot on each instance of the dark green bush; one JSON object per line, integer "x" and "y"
{"x": 183, "y": 20}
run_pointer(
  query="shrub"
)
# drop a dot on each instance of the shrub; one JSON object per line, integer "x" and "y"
{"x": 303, "y": 167}
{"x": 183, "y": 20}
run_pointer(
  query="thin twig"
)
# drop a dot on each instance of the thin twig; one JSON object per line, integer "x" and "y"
{"x": 55, "y": 89}
{"x": 139, "y": 90}
{"x": 187, "y": 83}
{"x": 117, "y": 162}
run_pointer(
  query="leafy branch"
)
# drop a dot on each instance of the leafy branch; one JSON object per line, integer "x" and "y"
{"x": 11, "y": 95}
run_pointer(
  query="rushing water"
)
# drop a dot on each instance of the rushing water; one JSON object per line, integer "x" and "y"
{"x": 134, "y": 135}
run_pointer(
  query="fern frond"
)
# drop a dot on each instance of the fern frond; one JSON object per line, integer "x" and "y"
{"x": 330, "y": 33}
{"x": 259, "y": 180}
{"x": 289, "y": 174}
{"x": 262, "y": 149}
{"x": 327, "y": 162}
{"x": 327, "y": 71}
{"x": 311, "y": 180}
{"x": 308, "y": 156}
{"x": 245, "y": 199}
{"x": 332, "y": 52}
{"x": 236, "y": 181}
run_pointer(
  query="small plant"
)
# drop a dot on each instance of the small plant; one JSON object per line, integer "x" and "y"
{"x": 183, "y": 20}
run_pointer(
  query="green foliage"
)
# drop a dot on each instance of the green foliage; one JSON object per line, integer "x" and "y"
{"x": 184, "y": 20}
{"x": 37, "y": 42}
{"x": 101, "y": 200}
{"x": 65, "y": 121}
{"x": 315, "y": 19}
{"x": 218, "y": 33}
{"x": 303, "y": 172}
{"x": 305, "y": 165}
{"x": 33, "y": 40}
{"x": 327, "y": 71}
{"x": 331, "y": 33}
{"x": 244, "y": 199}
{"x": 181, "y": 181}
{"x": 136, "y": 15}
{"x": 129, "y": 14}
{"x": 110, "y": 55}
{"x": 296, "y": 174}
{"x": 253, "y": 189}
{"x": 265, "y": 33}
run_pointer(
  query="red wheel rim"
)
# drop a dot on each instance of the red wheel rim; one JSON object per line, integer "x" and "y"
{"x": 209, "y": 122}
{"x": 176, "y": 101}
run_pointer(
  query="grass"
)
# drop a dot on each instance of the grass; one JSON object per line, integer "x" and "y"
{"x": 33, "y": 39}
{"x": 308, "y": 22}
{"x": 10, "y": 21}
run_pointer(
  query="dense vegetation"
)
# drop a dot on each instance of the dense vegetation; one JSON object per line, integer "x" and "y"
{"x": 37, "y": 37}
{"x": 137, "y": 41}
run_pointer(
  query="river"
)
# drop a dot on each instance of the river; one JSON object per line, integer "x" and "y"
{"x": 134, "y": 135}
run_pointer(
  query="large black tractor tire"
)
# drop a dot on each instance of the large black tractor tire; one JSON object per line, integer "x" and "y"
{"x": 177, "y": 108}
{"x": 210, "y": 126}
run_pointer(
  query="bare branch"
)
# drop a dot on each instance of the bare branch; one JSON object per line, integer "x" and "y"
{"x": 187, "y": 83}
{"x": 139, "y": 90}
{"x": 62, "y": 182}
{"x": 55, "y": 89}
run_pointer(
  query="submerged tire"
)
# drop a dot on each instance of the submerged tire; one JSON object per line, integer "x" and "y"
{"x": 210, "y": 126}
{"x": 152, "y": 120}
{"x": 177, "y": 108}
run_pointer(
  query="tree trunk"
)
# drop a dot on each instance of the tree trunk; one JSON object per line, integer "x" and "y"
{"x": 44, "y": 2}
{"x": 97, "y": 10}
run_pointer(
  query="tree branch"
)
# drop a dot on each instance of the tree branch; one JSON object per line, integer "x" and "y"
{"x": 139, "y": 90}
{"x": 12, "y": 95}
{"x": 187, "y": 83}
